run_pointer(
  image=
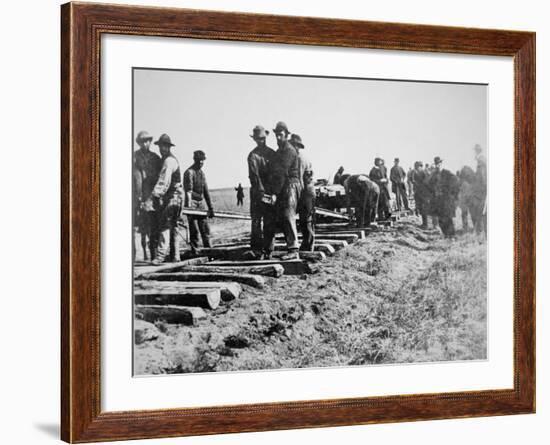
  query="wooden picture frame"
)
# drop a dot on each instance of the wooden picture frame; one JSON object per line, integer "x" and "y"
{"x": 82, "y": 26}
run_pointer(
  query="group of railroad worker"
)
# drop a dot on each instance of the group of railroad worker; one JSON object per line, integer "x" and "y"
{"x": 160, "y": 192}
{"x": 282, "y": 191}
{"x": 437, "y": 193}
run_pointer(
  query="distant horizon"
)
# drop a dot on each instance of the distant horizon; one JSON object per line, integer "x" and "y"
{"x": 342, "y": 121}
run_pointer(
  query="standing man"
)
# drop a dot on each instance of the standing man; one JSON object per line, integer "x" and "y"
{"x": 260, "y": 162}
{"x": 480, "y": 188}
{"x": 444, "y": 187}
{"x": 410, "y": 187}
{"x": 240, "y": 195}
{"x": 167, "y": 195}
{"x": 196, "y": 195}
{"x": 287, "y": 186}
{"x": 362, "y": 194}
{"x": 306, "y": 200}
{"x": 146, "y": 172}
{"x": 378, "y": 175}
{"x": 421, "y": 192}
{"x": 467, "y": 202}
{"x": 398, "y": 177}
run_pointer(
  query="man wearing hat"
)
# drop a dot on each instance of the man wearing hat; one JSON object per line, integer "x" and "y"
{"x": 378, "y": 175}
{"x": 287, "y": 186}
{"x": 306, "y": 199}
{"x": 196, "y": 196}
{"x": 444, "y": 187}
{"x": 421, "y": 192}
{"x": 362, "y": 194}
{"x": 260, "y": 162}
{"x": 147, "y": 167}
{"x": 168, "y": 196}
{"x": 398, "y": 178}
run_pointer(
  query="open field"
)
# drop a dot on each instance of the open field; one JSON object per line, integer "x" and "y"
{"x": 398, "y": 296}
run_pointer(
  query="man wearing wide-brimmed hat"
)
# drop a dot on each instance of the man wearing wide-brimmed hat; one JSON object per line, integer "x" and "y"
{"x": 306, "y": 200}
{"x": 197, "y": 196}
{"x": 260, "y": 163}
{"x": 168, "y": 196}
{"x": 146, "y": 171}
{"x": 444, "y": 187}
{"x": 287, "y": 186}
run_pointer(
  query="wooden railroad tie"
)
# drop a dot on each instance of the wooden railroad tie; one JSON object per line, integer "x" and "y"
{"x": 167, "y": 267}
{"x": 267, "y": 270}
{"x": 228, "y": 290}
{"x": 291, "y": 267}
{"x": 206, "y": 298}
{"x": 169, "y": 314}
{"x": 248, "y": 279}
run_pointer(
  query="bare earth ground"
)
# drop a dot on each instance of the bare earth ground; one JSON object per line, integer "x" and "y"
{"x": 399, "y": 296}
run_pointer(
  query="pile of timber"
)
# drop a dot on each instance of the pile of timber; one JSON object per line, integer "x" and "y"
{"x": 185, "y": 292}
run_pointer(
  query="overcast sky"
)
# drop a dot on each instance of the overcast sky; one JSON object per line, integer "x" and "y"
{"x": 342, "y": 121}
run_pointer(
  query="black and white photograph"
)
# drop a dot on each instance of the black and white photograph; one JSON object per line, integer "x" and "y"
{"x": 292, "y": 221}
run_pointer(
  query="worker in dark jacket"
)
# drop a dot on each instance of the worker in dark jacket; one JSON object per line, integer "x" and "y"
{"x": 306, "y": 200}
{"x": 287, "y": 186}
{"x": 240, "y": 195}
{"x": 422, "y": 193}
{"x": 196, "y": 196}
{"x": 167, "y": 195}
{"x": 147, "y": 167}
{"x": 260, "y": 162}
{"x": 378, "y": 175}
{"x": 338, "y": 176}
{"x": 444, "y": 187}
{"x": 398, "y": 176}
{"x": 362, "y": 194}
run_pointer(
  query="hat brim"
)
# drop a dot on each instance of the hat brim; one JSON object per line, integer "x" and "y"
{"x": 281, "y": 130}
{"x": 263, "y": 136}
{"x": 150, "y": 138}
{"x": 159, "y": 143}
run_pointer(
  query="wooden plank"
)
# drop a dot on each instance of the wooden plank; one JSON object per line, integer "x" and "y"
{"x": 349, "y": 238}
{"x": 206, "y": 298}
{"x": 336, "y": 244}
{"x": 229, "y": 291}
{"x": 310, "y": 257}
{"x": 291, "y": 267}
{"x": 248, "y": 279}
{"x": 327, "y": 249}
{"x": 361, "y": 233}
{"x": 220, "y": 253}
{"x": 332, "y": 225}
{"x": 266, "y": 270}
{"x": 168, "y": 267}
{"x": 169, "y": 314}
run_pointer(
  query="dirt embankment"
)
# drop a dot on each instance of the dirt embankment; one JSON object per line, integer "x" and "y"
{"x": 396, "y": 297}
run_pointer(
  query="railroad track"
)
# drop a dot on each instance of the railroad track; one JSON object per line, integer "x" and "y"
{"x": 187, "y": 291}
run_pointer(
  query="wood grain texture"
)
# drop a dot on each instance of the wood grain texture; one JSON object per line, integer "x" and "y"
{"x": 81, "y": 28}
